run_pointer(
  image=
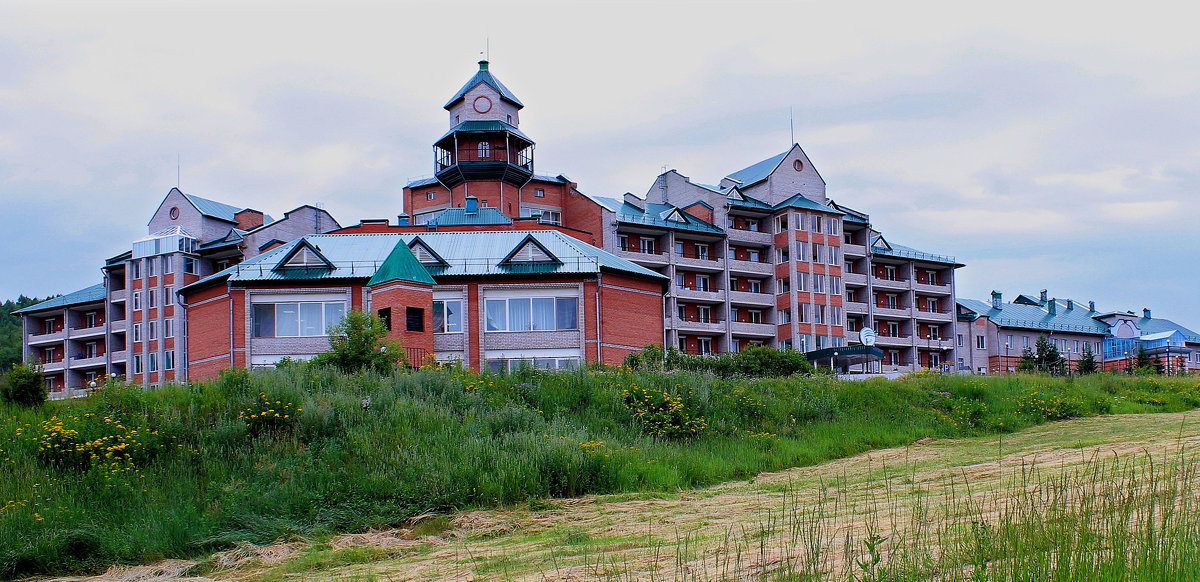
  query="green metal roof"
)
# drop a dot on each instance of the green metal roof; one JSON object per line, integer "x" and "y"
{"x": 1021, "y": 316}
{"x": 656, "y": 215}
{"x": 401, "y": 265}
{"x": 749, "y": 202}
{"x": 362, "y": 256}
{"x": 485, "y": 216}
{"x": 484, "y": 126}
{"x": 1157, "y": 325}
{"x": 214, "y": 209}
{"x": 854, "y": 219}
{"x": 93, "y": 294}
{"x": 484, "y": 76}
{"x": 800, "y": 201}
{"x": 758, "y": 172}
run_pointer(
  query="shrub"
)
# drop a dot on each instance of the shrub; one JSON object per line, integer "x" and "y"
{"x": 357, "y": 344}
{"x": 661, "y": 413}
{"x": 23, "y": 386}
{"x": 753, "y": 361}
{"x": 268, "y": 415}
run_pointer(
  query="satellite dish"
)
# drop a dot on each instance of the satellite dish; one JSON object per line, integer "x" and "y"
{"x": 867, "y": 336}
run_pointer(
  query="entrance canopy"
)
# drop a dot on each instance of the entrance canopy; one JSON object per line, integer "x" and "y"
{"x": 846, "y": 355}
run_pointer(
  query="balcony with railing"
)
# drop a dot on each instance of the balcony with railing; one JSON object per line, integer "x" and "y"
{"x": 854, "y": 278}
{"x": 84, "y": 331}
{"x": 698, "y": 323}
{"x": 760, "y": 267}
{"x": 928, "y": 315}
{"x": 81, "y": 361}
{"x": 857, "y": 307}
{"x": 699, "y": 293}
{"x": 702, "y": 261}
{"x": 757, "y": 237}
{"x": 895, "y": 310}
{"x": 643, "y": 257}
{"x": 755, "y": 328}
{"x": 46, "y": 338}
{"x": 899, "y": 283}
{"x": 758, "y": 298}
{"x": 931, "y": 289}
{"x": 55, "y": 365}
{"x": 854, "y": 250}
{"x": 896, "y": 341}
{"x": 119, "y": 356}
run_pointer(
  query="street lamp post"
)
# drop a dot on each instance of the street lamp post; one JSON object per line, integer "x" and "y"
{"x": 1004, "y": 364}
{"x": 835, "y": 355}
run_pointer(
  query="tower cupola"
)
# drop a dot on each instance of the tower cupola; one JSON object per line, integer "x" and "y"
{"x": 483, "y": 142}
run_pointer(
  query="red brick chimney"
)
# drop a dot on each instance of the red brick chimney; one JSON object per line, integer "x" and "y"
{"x": 248, "y": 219}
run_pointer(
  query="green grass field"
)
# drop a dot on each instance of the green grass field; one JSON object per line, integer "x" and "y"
{"x": 129, "y": 476}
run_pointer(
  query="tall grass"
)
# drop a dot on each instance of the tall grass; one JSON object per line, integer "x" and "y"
{"x": 186, "y": 470}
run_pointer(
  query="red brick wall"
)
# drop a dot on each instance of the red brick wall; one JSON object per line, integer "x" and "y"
{"x": 208, "y": 332}
{"x": 398, "y": 297}
{"x": 630, "y": 315}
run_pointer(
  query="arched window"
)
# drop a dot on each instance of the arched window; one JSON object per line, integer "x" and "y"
{"x": 485, "y": 150}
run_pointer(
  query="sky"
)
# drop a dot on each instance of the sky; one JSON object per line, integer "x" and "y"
{"x": 1045, "y": 145}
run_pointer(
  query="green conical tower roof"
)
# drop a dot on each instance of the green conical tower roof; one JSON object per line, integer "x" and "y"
{"x": 401, "y": 265}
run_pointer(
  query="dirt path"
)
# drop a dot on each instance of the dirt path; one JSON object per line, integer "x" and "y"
{"x": 814, "y": 518}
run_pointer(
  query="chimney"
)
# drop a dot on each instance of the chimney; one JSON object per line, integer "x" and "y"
{"x": 1070, "y": 304}
{"x": 248, "y": 219}
{"x": 402, "y": 219}
{"x": 996, "y": 300}
{"x": 1146, "y": 313}
{"x": 1051, "y": 306}
{"x": 1043, "y": 297}
{"x": 1091, "y": 306}
{"x": 483, "y": 66}
{"x": 473, "y": 202}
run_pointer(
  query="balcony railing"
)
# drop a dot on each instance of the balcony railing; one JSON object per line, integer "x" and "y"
{"x": 88, "y": 331}
{"x": 897, "y": 283}
{"x": 41, "y": 338}
{"x": 752, "y": 297}
{"x": 754, "y": 328}
{"x": 709, "y": 256}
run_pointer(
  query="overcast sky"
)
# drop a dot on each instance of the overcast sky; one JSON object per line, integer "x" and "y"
{"x": 1045, "y": 145}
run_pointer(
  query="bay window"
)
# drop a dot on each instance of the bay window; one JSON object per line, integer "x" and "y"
{"x": 299, "y": 319}
{"x": 531, "y": 314}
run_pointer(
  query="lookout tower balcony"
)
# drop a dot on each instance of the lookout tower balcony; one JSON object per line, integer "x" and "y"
{"x": 483, "y": 150}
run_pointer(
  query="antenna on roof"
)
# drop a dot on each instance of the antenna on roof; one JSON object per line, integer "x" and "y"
{"x": 791, "y": 127}
{"x": 177, "y": 171}
{"x": 487, "y": 47}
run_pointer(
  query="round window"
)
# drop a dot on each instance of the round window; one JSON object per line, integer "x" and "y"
{"x": 174, "y": 212}
{"x": 798, "y": 165}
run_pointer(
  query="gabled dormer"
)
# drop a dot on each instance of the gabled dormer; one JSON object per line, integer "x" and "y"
{"x": 530, "y": 252}
{"x": 426, "y": 255}
{"x": 304, "y": 255}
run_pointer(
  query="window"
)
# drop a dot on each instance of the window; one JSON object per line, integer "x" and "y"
{"x": 805, "y": 310}
{"x": 931, "y": 304}
{"x": 932, "y": 277}
{"x": 980, "y": 342}
{"x": 414, "y": 319}
{"x": 1025, "y": 341}
{"x": 834, "y": 225}
{"x": 168, "y": 327}
{"x": 785, "y": 316}
{"x": 135, "y": 269}
{"x": 532, "y": 314}
{"x": 485, "y": 150}
{"x": 786, "y": 344}
{"x": 48, "y": 325}
{"x": 385, "y": 315}
{"x": 169, "y": 360}
{"x": 551, "y": 217}
{"x": 781, "y": 224}
{"x": 447, "y": 316}
{"x": 801, "y": 249}
{"x": 800, "y": 220}
{"x": 702, "y": 251}
{"x": 818, "y": 314}
{"x": 168, "y": 265}
{"x": 1076, "y": 344}
{"x": 816, "y": 223}
{"x": 683, "y": 344}
{"x": 137, "y": 364}
{"x": 681, "y": 311}
{"x": 150, "y": 267}
{"x": 679, "y": 249}
{"x": 816, "y": 252}
{"x": 623, "y": 242}
{"x": 818, "y": 283}
{"x": 152, "y": 362}
{"x": 935, "y": 360}
{"x": 754, "y": 286}
{"x": 833, "y": 255}
{"x": 168, "y": 295}
{"x": 835, "y": 315}
{"x": 781, "y": 255}
{"x": 89, "y": 320}
{"x": 301, "y": 319}
{"x": 191, "y": 266}
{"x": 960, "y": 340}
{"x": 48, "y": 356}
{"x": 704, "y": 344}
{"x": 801, "y": 281}
{"x": 647, "y": 245}
{"x": 431, "y": 195}
{"x": 137, "y": 332}
{"x": 704, "y": 314}
{"x": 702, "y": 282}
{"x": 835, "y": 285}
{"x": 1008, "y": 343}
{"x": 783, "y": 285}
{"x": 137, "y": 300}
{"x": 934, "y": 333}
{"x": 729, "y": 222}
{"x": 893, "y": 358}
{"x": 679, "y": 280}
{"x": 539, "y": 193}
{"x": 755, "y": 315}
{"x": 152, "y": 298}
{"x": 754, "y": 255}
{"x": 222, "y": 265}
{"x": 152, "y": 330}
{"x": 891, "y": 301}
{"x": 752, "y": 224}
{"x": 893, "y": 329}
{"x": 889, "y": 273}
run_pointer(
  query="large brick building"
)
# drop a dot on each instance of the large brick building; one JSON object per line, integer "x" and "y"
{"x": 992, "y": 335}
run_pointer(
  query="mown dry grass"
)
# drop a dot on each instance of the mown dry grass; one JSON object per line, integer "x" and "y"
{"x": 832, "y": 519}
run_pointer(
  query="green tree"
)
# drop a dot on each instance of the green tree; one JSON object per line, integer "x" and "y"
{"x": 1087, "y": 360}
{"x": 23, "y": 386}
{"x": 1028, "y": 361}
{"x": 1047, "y": 358}
{"x": 10, "y": 330}
{"x": 1143, "y": 363}
{"x": 358, "y": 343}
